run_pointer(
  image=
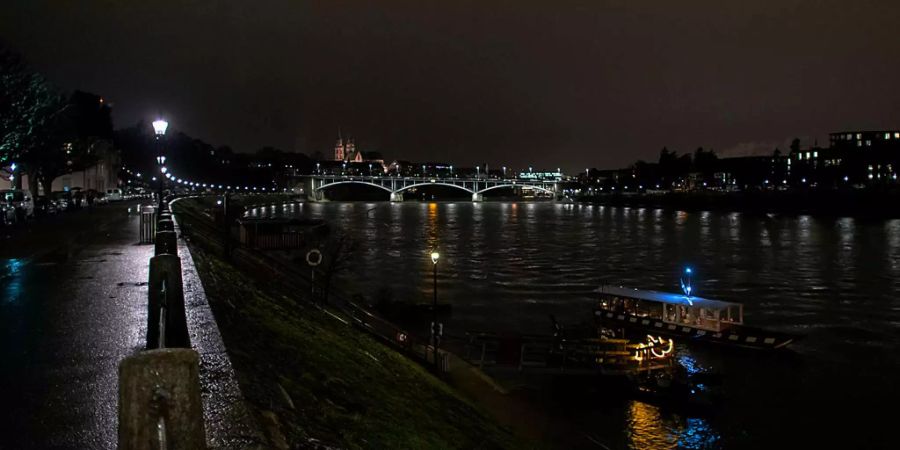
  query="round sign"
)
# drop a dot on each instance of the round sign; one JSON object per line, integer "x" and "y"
{"x": 314, "y": 257}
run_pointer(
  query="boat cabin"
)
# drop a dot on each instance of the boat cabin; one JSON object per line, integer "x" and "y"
{"x": 679, "y": 309}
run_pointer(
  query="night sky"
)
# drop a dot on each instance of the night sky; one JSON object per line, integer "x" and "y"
{"x": 553, "y": 83}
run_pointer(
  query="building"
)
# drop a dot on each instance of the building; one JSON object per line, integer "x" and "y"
{"x": 101, "y": 176}
{"x": 852, "y": 158}
{"x": 345, "y": 150}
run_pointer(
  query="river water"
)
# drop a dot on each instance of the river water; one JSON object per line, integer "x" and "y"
{"x": 508, "y": 265}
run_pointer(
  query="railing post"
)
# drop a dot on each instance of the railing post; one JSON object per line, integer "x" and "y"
{"x": 159, "y": 401}
{"x": 166, "y": 267}
{"x": 166, "y": 243}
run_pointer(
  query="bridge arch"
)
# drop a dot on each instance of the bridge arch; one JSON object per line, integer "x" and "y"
{"x": 539, "y": 188}
{"x": 335, "y": 183}
{"x": 435, "y": 184}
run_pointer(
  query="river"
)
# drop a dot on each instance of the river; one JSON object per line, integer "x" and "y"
{"x": 509, "y": 265}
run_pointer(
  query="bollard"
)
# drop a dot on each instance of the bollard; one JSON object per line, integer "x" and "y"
{"x": 165, "y": 215}
{"x": 159, "y": 401}
{"x": 165, "y": 225}
{"x": 168, "y": 268}
{"x": 166, "y": 243}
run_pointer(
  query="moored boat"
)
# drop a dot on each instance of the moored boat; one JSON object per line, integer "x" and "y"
{"x": 695, "y": 319}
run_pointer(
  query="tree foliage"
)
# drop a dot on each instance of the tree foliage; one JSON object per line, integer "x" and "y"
{"x": 45, "y": 132}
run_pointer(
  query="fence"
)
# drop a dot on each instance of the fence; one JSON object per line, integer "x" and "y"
{"x": 159, "y": 388}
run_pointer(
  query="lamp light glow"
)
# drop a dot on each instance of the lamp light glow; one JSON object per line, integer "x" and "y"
{"x": 160, "y": 126}
{"x": 435, "y": 256}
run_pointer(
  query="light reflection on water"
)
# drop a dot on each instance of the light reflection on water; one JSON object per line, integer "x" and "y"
{"x": 10, "y": 280}
{"x": 507, "y": 266}
{"x": 649, "y": 428}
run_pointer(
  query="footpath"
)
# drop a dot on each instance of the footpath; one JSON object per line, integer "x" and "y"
{"x": 73, "y": 304}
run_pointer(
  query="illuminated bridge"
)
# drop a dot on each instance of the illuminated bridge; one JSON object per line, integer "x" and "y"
{"x": 396, "y": 186}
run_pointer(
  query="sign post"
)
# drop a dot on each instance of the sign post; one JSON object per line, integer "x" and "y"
{"x": 313, "y": 258}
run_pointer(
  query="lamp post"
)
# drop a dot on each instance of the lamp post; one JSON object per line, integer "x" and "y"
{"x": 159, "y": 129}
{"x": 434, "y": 317}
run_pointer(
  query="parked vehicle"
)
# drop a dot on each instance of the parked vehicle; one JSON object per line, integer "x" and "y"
{"x": 21, "y": 201}
{"x": 114, "y": 195}
{"x": 63, "y": 200}
{"x": 7, "y": 213}
{"x": 45, "y": 206}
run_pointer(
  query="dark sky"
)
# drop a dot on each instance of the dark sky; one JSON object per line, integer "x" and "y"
{"x": 552, "y": 83}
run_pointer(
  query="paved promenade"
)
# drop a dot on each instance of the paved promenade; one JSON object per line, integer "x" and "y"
{"x": 73, "y": 303}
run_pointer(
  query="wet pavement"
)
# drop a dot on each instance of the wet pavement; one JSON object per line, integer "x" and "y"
{"x": 73, "y": 301}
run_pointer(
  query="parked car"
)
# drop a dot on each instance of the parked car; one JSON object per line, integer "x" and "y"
{"x": 63, "y": 200}
{"x": 21, "y": 201}
{"x": 45, "y": 206}
{"x": 7, "y": 213}
{"x": 114, "y": 195}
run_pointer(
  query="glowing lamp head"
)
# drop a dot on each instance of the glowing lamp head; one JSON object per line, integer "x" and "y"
{"x": 687, "y": 270}
{"x": 159, "y": 127}
{"x": 434, "y": 257}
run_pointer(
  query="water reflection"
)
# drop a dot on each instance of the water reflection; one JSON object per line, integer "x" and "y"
{"x": 649, "y": 428}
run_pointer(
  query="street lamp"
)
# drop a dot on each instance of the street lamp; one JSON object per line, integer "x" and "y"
{"x": 159, "y": 129}
{"x": 434, "y": 323}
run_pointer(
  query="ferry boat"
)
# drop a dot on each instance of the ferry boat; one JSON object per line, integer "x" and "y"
{"x": 695, "y": 319}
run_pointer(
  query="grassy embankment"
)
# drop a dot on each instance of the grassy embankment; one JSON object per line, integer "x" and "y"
{"x": 311, "y": 378}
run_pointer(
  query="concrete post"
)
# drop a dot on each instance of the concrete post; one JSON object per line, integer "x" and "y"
{"x": 168, "y": 268}
{"x": 166, "y": 243}
{"x": 396, "y": 196}
{"x": 159, "y": 401}
{"x": 477, "y": 197}
{"x": 165, "y": 225}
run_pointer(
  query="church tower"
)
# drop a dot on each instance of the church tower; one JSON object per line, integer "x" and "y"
{"x": 339, "y": 148}
{"x": 351, "y": 150}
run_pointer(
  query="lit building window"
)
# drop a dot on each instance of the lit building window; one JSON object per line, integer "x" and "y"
{"x": 896, "y": 135}
{"x": 815, "y": 154}
{"x": 868, "y": 143}
{"x": 858, "y": 135}
{"x": 887, "y": 135}
{"x": 859, "y": 143}
{"x": 807, "y": 155}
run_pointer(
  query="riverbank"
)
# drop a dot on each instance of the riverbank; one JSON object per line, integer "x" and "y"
{"x": 312, "y": 379}
{"x": 875, "y": 204}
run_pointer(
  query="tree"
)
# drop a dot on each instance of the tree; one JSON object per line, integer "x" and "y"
{"x": 705, "y": 161}
{"x": 337, "y": 254}
{"x": 43, "y": 132}
{"x": 66, "y": 137}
